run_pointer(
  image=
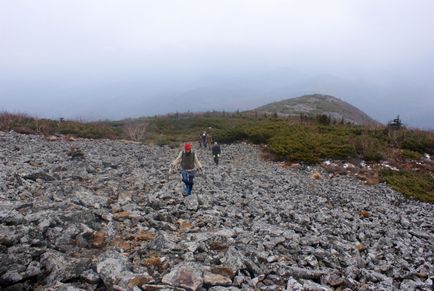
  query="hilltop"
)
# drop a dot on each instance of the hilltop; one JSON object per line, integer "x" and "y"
{"x": 317, "y": 104}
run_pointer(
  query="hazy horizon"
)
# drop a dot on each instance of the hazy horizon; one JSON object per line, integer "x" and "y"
{"x": 95, "y": 60}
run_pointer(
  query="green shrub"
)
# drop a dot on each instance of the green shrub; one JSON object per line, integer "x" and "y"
{"x": 300, "y": 146}
{"x": 418, "y": 142}
{"x": 334, "y": 147}
{"x": 419, "y": 186}
{"x": 368, "y": 147}
{"x": 164, "y": 141}
{"x": 413, "y": 140}
{"x": 26, "y": 124}
{"x": 411, "y": 155}
{"x": 230, "y": 135}
{"x": 373, "y": 156}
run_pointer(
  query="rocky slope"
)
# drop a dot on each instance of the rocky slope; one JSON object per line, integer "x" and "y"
{"x": 104, "y": 215}
{"x": 317, "y": 104}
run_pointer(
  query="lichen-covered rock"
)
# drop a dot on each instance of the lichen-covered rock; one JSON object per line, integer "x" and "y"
{"x": 215, "y": 279}
{"x": 185, "y": 275}
{"x": 110, "y": 267}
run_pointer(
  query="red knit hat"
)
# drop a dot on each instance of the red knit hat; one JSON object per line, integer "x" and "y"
{"x": 187, "y": 147}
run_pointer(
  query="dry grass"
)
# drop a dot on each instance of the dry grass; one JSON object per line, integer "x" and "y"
{"x": 153, "y": 260}
{"x": 145, "y": 236}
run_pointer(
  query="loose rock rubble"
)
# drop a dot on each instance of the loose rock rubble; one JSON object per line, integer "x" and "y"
{"x": 105, "y": 215}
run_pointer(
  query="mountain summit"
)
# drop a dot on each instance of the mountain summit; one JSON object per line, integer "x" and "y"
{"x": 317, "y": 104}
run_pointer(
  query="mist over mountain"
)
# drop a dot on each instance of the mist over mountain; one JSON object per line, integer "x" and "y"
{"x": 96, "y": 60}
{"x": 138, "y": 94}
{"x": 382, "y": 101}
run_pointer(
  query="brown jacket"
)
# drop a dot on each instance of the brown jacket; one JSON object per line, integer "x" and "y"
{"x": 178, "y": 161}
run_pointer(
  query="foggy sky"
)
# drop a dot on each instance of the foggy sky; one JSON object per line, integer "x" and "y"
{"x": 116, "y": 59}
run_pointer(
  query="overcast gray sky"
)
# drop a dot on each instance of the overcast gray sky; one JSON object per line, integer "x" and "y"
{"x": 115, "y": 59}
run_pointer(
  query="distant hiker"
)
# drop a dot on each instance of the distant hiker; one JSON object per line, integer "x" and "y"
{"x": 204, "y": 140}
{"x": 210, "y": 141}
{"x": 189, "y": 164}
{"x": 216, "y": 151}
{"x": 200, "y": 140}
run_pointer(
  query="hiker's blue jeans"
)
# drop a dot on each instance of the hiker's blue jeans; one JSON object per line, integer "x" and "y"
{"x": 187, "y": 178}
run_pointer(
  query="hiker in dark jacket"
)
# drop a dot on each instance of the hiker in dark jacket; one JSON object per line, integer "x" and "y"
{"x": 216, "y": 151}
{"x": 189, "y": 163}
{"x": 204, "y": 139}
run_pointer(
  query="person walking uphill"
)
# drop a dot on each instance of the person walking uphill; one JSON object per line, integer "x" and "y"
{"x": 189, "y": 163}
{"x": 204, "y": 139}
{"x": 216, "y": 151}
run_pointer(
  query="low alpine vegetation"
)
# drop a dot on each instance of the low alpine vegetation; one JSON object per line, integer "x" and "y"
{"x": 291, "y": 139}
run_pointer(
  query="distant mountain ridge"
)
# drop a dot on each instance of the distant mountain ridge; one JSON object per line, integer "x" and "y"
{"x": 317, "y": 104}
